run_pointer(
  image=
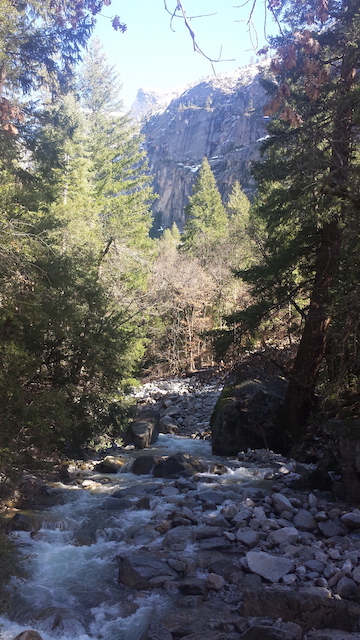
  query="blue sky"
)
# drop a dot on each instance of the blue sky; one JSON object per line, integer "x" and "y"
{"x": 150, "y": 55}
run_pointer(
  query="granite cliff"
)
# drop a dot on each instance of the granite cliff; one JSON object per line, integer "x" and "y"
{"x": 221, "y": 118}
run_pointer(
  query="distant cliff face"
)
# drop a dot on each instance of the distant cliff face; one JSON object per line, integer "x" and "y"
{"x": 220, "y": 118}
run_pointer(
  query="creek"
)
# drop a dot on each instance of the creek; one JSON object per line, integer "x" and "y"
{"x": 213, "y": 552}
{"x": 71, "y": 590}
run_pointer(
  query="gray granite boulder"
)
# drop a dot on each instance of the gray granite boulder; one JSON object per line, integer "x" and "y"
{"x": 245, "y": 414}
{"x": 137, "y": 570}
{"x": 144, "y": 429}
{"x": 180, "y": 464}
{"x": 309, "y": 610}
{"x": 270, "y": 567}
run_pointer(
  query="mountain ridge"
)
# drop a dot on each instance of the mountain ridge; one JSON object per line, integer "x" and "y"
{"x": 220, "y": 117}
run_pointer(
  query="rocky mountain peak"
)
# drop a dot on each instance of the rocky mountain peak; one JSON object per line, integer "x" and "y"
{"x": 149, "y": 103}
{"x": 220, "y": 117}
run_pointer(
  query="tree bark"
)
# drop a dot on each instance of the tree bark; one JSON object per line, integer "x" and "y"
{"x": 300, "y": 396}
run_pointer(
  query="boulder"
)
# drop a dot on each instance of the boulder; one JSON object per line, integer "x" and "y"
{"x": 167, "y": 425}
{"x": 351, "y": 519}
{"x": 282, "y": 503}
{"x": 137, "y": 570}
{"x": 270, "y": 567}
{"x": 304, "y": 521}
{"x": 116, "y": 504}
{"x": 33, "y": 493}
{"x": 179, "y": 536}
{"x": 61, "y": 621}
{"x": 215, "y": 582}
{"x": 330, "y": 528}
{"x": 248, "y": 537}
{"x": 245, "y": 415}
{"x": 180, "y": 464}
{"x": 309, "y": 610}
{"x": 110, "y": 464}
{"x": 264, "y": 632}
{"x": 157, "y": 631}
{"x": 21, "y": 522}
{"x": 142, "y": 465}
{"x": 287, "y": 535}
{"x": 144, "y": 429}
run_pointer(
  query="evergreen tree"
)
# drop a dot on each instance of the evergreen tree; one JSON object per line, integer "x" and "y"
{"x": 120, "y": 176}
{"x": 206, "y": 220}
{"x": 309, "y": 188}
{"x": 238, "y": 205}
{"x": 76, "y": 322}
{"x": 41, "y": 41}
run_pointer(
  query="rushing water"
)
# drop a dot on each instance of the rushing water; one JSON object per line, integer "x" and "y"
{"x": 71, "y": 590}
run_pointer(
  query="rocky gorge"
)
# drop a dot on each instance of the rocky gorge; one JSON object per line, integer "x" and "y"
{"x": 170, "y": 541}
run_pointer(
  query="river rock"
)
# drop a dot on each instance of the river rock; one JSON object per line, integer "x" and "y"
{"x": 270, "y": 567}
{"x": 346, "y": 587}
{"x": 248, "y": 537}
{"x": 214, "y": 581}
{"x": 331, "y": 528}
{"x": 179, "y": 464}
{"x": 167, "y": 425}
{"x": 144, "y": 429}
{"x": 351, "y": 519}
{"x": 287, "y": 535}
{"x": 21, "y": 522}
{"x": 262, "y": 632}
{"x": 116, "y": 504}
{"x": 212, "y": 497}
{"x": 309, "y": 610}
{"x": 157, "y": 631}
{"x": 143, "y": 465}
{"x": 33, "y": 493}
{"x": 304, "y": 521}
{"x": 331, "y": 634}
{"x": 137, "y": 570}
{"x": 282, "y": 503}
{"x": 110, "y": 464}
{"x": 193, "y": 587}
{"x": 179, "y": 536}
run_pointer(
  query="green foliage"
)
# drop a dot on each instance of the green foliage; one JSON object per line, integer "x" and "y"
{"x": 206, "y": 220}
{"x": 76, "y": 257}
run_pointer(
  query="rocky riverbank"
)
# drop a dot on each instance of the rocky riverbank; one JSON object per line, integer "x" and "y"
{"x": 185, "y": 404}
{"x": 265, "y": 561}
{"x": 236, "y": 549}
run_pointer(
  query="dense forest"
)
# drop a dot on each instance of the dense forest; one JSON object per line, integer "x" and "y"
{"x": 89, "y": 299}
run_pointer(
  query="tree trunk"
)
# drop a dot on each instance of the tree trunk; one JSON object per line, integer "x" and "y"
{"x": 300, "y": 395}
{"x": 301, "y": 391}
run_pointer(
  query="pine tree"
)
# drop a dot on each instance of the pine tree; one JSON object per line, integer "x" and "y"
{"x": 41, "y": 41}
{"x": 238, "y": 205}
{"x": 120, "y": 176}
{"x": 79, "y": 327}
{"x": 309, "y": 184}
{"x": 206, "y": 220}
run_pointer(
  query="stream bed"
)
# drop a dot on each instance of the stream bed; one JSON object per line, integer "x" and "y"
{"x": 226, "y": 549}
{"x": 71, "y": 591}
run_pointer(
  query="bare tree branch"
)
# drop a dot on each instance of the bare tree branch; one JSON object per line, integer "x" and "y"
{"x": 186, "y": 19}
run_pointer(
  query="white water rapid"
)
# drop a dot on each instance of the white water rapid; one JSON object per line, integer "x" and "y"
{"x": 71, "y": 590}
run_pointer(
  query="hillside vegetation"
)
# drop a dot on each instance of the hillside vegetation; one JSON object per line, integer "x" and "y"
{"x": 89, "y": 300}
